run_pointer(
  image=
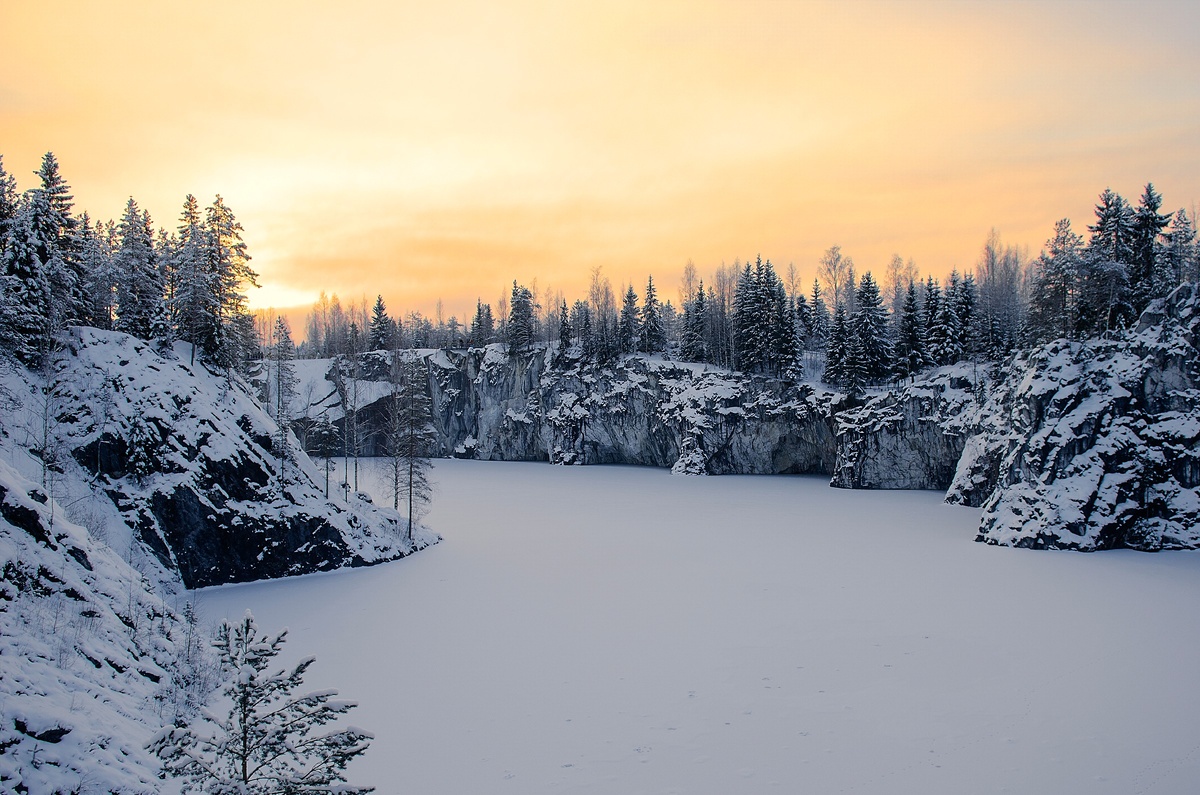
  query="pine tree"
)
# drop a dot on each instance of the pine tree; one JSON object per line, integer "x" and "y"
{"x": 139, "y": 287}
{"x": 100, "y": 283}
{"x": 228, "y": 268}
{"x": 1178, "y": 259}
{"x": 692, "y": 346}
{"x": 54, "y": 228}
{"x": 910, "y": 342}
{"x": 747, "y": 347}
{"x": 194, "y": 294}
{"x": 1148, "y": 226}
{"x": 564, "y": 329}
{"x": 819, "y": 320}
{"x": 653, "y": 335}
{"x": 945, "y": 338}
{"x": 520, "y": 319}
{"x": 410, "y": 438}
{"x": 871, "y": 328}
{"x": 9, "y": 200}
{"x": 28, "y": 288}
{"x": 482, "y": 325}
{"x": 628, "y": 328}
{"x": 836, "y": 348}
{"x": 283, "y": 379}
{"x": 382, "y": 328}
{"x": 271, "y": 739}
{"x": 1054, "y": 297}
{"x": 581, "y": 321}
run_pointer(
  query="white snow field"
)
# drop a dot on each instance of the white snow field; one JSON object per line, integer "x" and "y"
{"x": 623, "y": 630}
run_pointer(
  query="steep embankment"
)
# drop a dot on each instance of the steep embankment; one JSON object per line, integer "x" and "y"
{"x": 88, "y": 655}
{"x": 1094, "y": 445}
{"x": 138, "y": 440}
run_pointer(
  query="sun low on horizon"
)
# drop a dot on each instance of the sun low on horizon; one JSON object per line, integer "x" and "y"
{"x": 440, "y": 151}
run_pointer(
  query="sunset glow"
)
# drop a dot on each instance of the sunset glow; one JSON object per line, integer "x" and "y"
{"x": 425, "y": 150}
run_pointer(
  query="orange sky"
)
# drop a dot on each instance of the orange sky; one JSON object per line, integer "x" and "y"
{"x": 443, "y": 149}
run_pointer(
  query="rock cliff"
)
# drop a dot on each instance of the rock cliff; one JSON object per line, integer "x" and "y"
{"x": 187, "y": 462}
{"x": 1096, "y": 444}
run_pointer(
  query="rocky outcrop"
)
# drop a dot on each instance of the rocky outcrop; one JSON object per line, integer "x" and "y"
{"x": 1094, "y": 445}
{"x": 192, "y": 465}
{"x": 912, "y": 438}
{"x": 1080, "y": 445}
{"x": 85, "y": 647}
{"x": 643, "y": 411}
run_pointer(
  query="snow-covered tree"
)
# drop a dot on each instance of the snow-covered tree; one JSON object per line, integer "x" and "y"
{"x": 410, "y": 437}
{"x": 1054, "y": 297}
{"x": 692, "y": 342}
{"x": 910, "y": 356}
{"x": 627, "y": 330}
{"x": 272, "y": 740}
{"x": 228, "y": 267}
{"x": 1148, "y": 226}
{"x": 653, "y": 335}
{"x": 283, "y": 381}
{"x": 520, "y": 319}
{"x": 870, "y": 325}
{"x": 139, "y": 287}
{"x": 836, "y": 348}
{"x": 483, "y": 327}
{"x": 383, "y": 328}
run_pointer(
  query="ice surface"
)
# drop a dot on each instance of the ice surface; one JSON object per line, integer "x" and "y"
{"x": 621, "y": 630}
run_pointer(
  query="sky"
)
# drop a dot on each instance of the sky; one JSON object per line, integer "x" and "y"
{"x": 442, "y": 150}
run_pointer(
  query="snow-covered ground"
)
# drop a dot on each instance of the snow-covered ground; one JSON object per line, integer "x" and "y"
{"x": 623, "y": 630}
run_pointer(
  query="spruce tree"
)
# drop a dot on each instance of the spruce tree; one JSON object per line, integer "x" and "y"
{"x": 382, "y": 327}
{"x": 482, "y": 325}
{"x": 271, "y": 740}
{"x": 520, "y": 319}
{"x": 819, "y": 320}
{"x": 653, "y": 335}
{"x": 283, "y": 379}
{"x": 628, "y": 330}
{"x": 564, "y": 329}
{"x": 1148, "y": 226}
{"x": 872, "y": 329}
{"x": 910, "y": 354}
{"x": 836, "y": 348}
{"x": 228, "y": 268}
{"x": 1054, "y": 297}
{"x": 692, "y": 346}
{"x": 139, "y": 287}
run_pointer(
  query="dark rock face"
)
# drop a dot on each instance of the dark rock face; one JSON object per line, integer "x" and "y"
{"x": 490, "y": 406}
{"x": 908, "y": 439}
{"x": 1094, "y": 445}
{"x": 1087, "y": 445}
{"x": 188, "y": 458}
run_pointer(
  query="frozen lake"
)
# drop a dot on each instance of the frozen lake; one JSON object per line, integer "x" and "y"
{"x": 623, "y": 630}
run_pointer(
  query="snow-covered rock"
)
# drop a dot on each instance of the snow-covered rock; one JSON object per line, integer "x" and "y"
{"x": 909, "y": 438}
{"x": 1094, "y": 445}
{"x": 639, "y": 410}
{"x": 86, "y": 651}
{"x": 187, "y": 461}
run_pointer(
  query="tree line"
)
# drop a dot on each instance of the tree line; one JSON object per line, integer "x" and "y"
{"x": 849, "y": 330}
{"x": 61, "y": 269}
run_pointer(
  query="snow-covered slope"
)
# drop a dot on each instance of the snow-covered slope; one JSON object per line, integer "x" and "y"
{"x": 1094, "y": 445}
{"x": 86, "y": 653}
{"x": 142, "y": 442}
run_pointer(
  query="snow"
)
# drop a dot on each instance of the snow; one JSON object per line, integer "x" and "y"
{"x": 613, "y": 629}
